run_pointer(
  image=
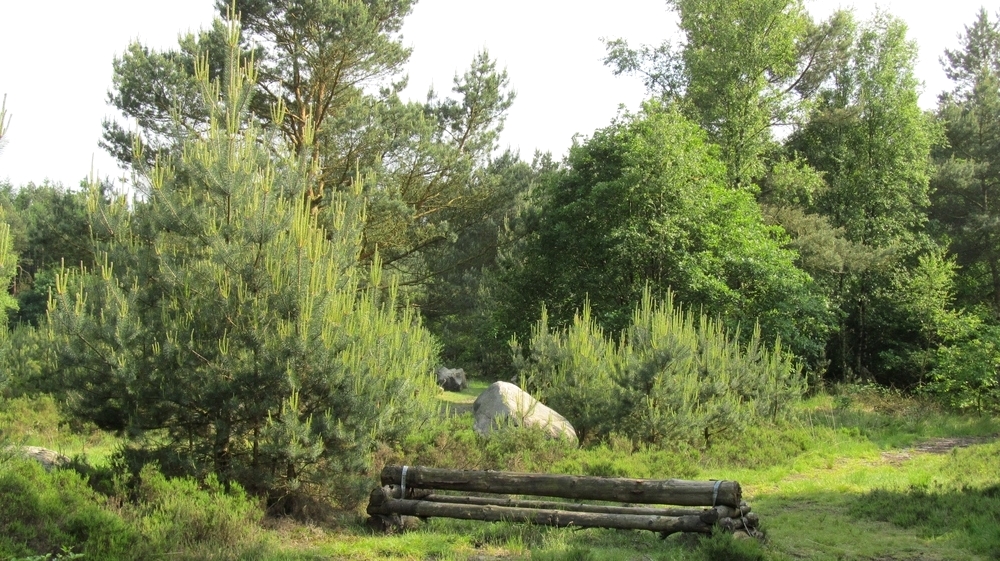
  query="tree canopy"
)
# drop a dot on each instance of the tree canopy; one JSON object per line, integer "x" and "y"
{"x": 335, "y": 70}
{"x": 644, "y": 202}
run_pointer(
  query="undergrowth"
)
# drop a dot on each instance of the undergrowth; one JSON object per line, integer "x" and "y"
{"x": 57, "y": 514}
{"x": 811, "y": 479}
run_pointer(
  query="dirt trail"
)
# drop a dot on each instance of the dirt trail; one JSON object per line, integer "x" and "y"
{"x": 936, "y": 446}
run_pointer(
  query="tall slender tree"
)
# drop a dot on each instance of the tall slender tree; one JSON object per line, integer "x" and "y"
{"x": 742, "y": 68}
{"x": 966, "y": 195}
{"x": 871, "y": 140}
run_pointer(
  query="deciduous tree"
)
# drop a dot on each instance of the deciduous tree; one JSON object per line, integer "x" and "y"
{"x": 871, "y": 141}
{"x": 644, "y": 203}
{"x": 742, "y": 68}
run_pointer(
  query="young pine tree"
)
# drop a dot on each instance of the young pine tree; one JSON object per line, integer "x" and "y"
{"x": 223, "y": 331}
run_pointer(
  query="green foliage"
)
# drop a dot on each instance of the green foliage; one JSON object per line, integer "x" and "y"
{"x": 55, "y": 515}
{"x": 575, "y": 370}
{"x": 224, "y": 331}
{"x": 959, "y": 357}
{"x": 29, "y": 360}
{"x": 743, "y": 67}
{"x": 48, "y": 513}
{"x": 8, "y": 268}
{"x": 456, "y": 304}
{"x": 36, "y": 420}
{"x": 335, "y": 67}
{"x": 869, "y": 138}
{"x": 674, "y": 377}
{"x": 967, "y": 371}
{"x": 643, "y": 203}
{"x": 453, "y": 443}
{"x": 966, "y": 184}
{"x": 49, "y": 227}
{"x": 738, "y": 59}
{"x": 202, "y": 520}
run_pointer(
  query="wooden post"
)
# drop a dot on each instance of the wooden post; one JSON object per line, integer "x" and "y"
{"x": 648, "y": 491}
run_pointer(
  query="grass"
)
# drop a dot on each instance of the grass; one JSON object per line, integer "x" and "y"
{"x": 37, "y": 421}
{"x": 851, "y": 478}
{"x": 458, "y": 403}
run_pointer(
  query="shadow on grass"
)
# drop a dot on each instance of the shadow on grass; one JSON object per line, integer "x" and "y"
{"x": 889, "y": 420}
{"x": 971, "y": 515}
{"x": 826, "y": 525}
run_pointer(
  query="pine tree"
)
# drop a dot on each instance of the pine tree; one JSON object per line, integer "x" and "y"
{"x": 8, "y": 259}
{"x": 223, "y": 330}
{"x": 967, "y": 185}
{"x": 336, "y": 67}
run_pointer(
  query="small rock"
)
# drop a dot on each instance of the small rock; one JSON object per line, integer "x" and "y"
{"x": 48, "y": 458}
{"x": 452, "y": 379}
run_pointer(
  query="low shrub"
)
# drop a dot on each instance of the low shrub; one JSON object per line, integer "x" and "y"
{"x": 56, "y": 513}
{"x": 201, "y": 520}
{"x": 673, "y": 376}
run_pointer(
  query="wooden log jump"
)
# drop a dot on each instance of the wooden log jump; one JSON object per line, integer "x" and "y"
{"x": 696, "y": 506}
{"x": 647, "y": 491}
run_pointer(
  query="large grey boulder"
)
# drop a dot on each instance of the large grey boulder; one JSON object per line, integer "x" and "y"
{"x": 504, "y": 402}
{"x": 452, "y": 379}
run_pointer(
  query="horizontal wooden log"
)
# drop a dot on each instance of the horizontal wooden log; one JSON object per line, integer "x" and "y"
{"x": 546, "y": 517}
{"x": 707, "y": 515}
{"x": 676, "y": 492}
{"x": 748, "y": 523}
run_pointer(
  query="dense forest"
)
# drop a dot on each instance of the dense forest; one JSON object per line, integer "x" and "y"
{"x": 301, "y": 247}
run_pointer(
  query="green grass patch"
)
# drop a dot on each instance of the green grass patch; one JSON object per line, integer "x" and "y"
{"x": 459, "y": 403}
{"x": 38, "y": 421}
{"x": 860, "y": 474}
{"x": 948, "y": 498}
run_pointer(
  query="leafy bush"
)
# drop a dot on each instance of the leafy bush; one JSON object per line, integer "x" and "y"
{"x": 673, "y": 376}
{"x": 56, "y": 515}
{"x": 959, "y": 357}
{"x": 966, "y": 374}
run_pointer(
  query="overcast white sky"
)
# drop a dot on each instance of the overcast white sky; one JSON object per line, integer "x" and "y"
{"x": 55, "y": 64}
